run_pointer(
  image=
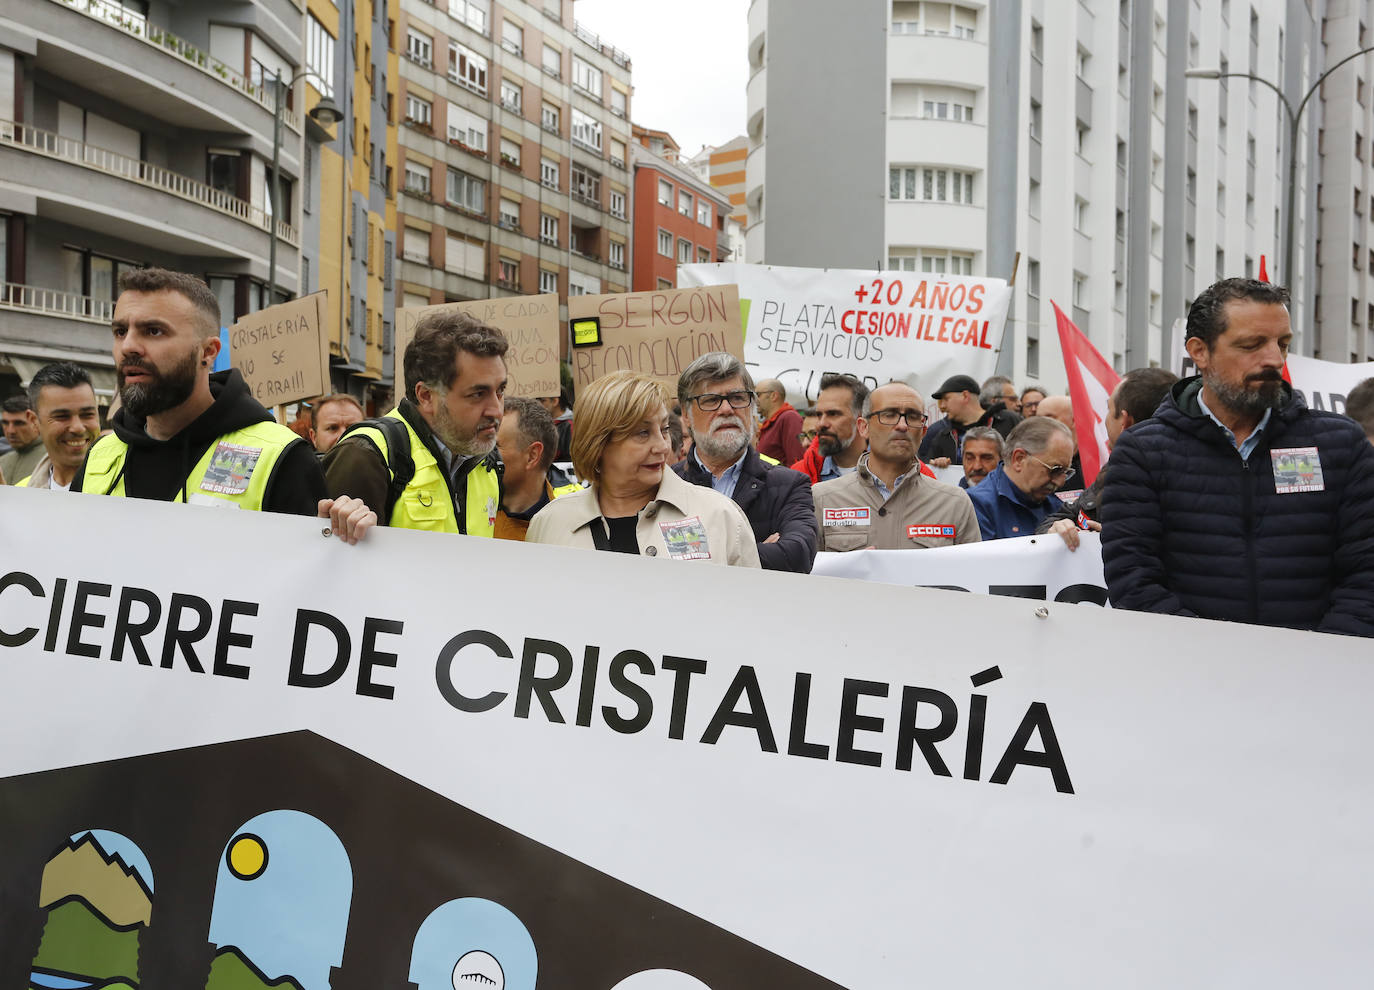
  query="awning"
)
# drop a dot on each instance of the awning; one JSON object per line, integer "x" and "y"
{"x": 28, "y": 365}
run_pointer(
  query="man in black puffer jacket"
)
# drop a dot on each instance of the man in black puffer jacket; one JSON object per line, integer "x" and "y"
{"x": 1236, "y": 501}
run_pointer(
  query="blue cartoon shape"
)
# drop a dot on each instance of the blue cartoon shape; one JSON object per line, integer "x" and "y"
{"x": 473, "y": 944}
{"x": 282, "y": 899}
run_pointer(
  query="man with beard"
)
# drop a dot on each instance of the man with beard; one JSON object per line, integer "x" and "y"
{"x": 1236, "y": 501}
{"x": 183, "y": 434}
{"x": 68, "y": 421}
{"x": 718, "y": 400}
{"x": 886, "y": 503}
{"x": 431, "y": 462}
{"x": 837, "y": 446}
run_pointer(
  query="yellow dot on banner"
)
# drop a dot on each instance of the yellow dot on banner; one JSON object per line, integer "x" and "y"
{"x": 247, "y": 857}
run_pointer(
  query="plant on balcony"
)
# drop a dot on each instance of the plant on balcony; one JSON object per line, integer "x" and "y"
{"x": 510, "y": 161}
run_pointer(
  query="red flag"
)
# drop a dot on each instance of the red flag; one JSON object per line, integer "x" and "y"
{"x": 1091, "y": 380}
{"x": 1264, "y": 275}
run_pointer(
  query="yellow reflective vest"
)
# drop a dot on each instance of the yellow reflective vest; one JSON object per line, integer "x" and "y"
{"x": 235, "y": 469}
{"x": 429, "y": 502}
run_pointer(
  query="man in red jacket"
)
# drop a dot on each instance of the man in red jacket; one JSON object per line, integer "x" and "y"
{"x": 779, "y": 436}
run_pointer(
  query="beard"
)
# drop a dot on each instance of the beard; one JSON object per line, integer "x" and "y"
{"x": 726, "y": 438}
{"x": 830, "y": 445}
{"x": 446, "y": 428}
{"x": 1267, "y": 393}
{"x": 167, "y": 389}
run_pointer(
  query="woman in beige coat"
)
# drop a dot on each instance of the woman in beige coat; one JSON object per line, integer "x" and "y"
{"x": 634, "y": 504}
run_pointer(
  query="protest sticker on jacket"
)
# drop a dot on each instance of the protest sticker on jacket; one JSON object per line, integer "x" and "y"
{"x": 530, "y": 325}
{"x": 240, "y": 775}
{"x": 919, "y": 328}
{"x": 283, "y": 351}
{"x": 655, "y": 333}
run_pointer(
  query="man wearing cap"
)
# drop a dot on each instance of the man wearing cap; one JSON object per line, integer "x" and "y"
{"x": 959, "y": 401}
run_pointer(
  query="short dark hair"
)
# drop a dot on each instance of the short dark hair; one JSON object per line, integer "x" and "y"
{"x": 432, "y": 356}
{"x": 533, "y": 422}
{"x": 17, "y": 403}
{"x": 858, "y": 391}
{"x": 60, "y": 374}
{"x": 675, "y": 432}
{"x": 319, "y": 404}
{"x": 164, "y": 280}
{"x": 1142, "y": 390}
{"x": 1359, "y": 405}
{"x": 1207, "y": 316}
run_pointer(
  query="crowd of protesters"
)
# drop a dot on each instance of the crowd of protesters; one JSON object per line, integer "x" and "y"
{"x": 1224, "y": 495}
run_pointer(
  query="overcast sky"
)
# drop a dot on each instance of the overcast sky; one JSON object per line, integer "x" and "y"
{"x": 689, "y": 63}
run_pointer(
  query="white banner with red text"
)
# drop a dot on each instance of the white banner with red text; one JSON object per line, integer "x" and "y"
{"x": 230, "y": 744}
{"x": 920, "y": 328}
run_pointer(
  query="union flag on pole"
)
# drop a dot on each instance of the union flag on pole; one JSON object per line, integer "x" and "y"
{"x": 1091, "y": 380}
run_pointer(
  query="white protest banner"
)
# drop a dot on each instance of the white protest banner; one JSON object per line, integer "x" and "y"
{"x": 919, "y": 328}
{"x": 530, "y": 325}
{"x": 1323, "y": 385}
{"x": 283, "y": 351}
{"x": 656, "y": 333}
{"x": 217, "y": 759}
{"x": 1039, "y": 567}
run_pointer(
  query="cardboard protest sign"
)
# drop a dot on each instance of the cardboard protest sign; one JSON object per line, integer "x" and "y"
{"x": 283, "y": 351}
{"x": 656, "y": 333}
{"x": 914, "y": 327}
{"x": 530, "y": 324}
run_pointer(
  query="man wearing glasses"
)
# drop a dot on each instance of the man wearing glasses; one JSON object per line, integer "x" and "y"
{"x": 718, "y": 402}
{"x": 886, "y": 503}
{"x": 1014, "y": 499}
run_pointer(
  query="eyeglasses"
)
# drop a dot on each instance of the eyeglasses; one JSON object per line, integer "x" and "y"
{"x": 1063, "y": 473}
{"x": 710, "y": 401}
{"x": 889, "y": 417}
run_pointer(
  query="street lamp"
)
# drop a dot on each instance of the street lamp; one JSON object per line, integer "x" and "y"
{"x": 1294, "y": 118}
{"x": 324, "y": 113}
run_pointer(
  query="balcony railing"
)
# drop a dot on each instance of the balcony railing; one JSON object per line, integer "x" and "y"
{"x": 51, "y": 302}
{"x": 583, "y": 198}
{"x": 56, "y": 146}
{"x": 137, "y": 26}
{"x": 593, "y": 39}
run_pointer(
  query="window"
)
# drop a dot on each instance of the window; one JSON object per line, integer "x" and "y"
{"x": 934, "y": 185}
{"x": 1033, "y": 278}
{"x": 467, "y": 129}
{"x": 1036, "y": 122}
{"x": 548, "y": 173}
{"x": 586, "y": 185}
{"x": 617, "y": 255}
{"x": 665, "y": 192}
{"x": 467, "y": 68}
{"x": 1080, "y": 215}
{"x": 465, "y": 257}
{"x": 1080, "y": 138}
{"x": 510, "y": 96}
{"x": 415, "y": 246}
{"x": 703, "y": 255}
{"x": 473, "y": 13}
{"x": 419, "y": 111}
{"x": 508, "y": 273}
{"x": 512, "y": 37}
{"x": 1080, "y": 290}
{"x": 420, "y": 47}
{"x": 467, "y": 191}
{"x": 617, "y": 204}
{"x": 548, "y": 281}
{"x": 548, "y": 229}
{"x": 417, "y": 178}
{"x": 684, "y": 251}
{"x": 617, "y": 152}
{"x": 933, "y": 260}
{"x": 663, "y": 283}
{"x": 548, "y": 117}
{"x": 618, "y": 101}
{"x": 1081, "y": 62}
{"x": 510, "y": 152}
{"x": 684, "y": 202}
{"x": 586, "y": 131}
{"x": 319, "y": 55}
{"x": 553, "y": 62}
{"x": 704, "y": 213}
{"x": 665, "y": 243}
{"x": 510, "y": 213}
{"x": 586, "y": 77}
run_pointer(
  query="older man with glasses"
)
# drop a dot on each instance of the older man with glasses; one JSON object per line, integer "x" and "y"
{"x": 886, "y": 503}
{"x": 1014, "y": 499}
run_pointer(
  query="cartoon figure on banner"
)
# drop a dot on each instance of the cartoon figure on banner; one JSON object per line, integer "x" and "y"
{"x": 473, "y": 944}
{"x": 282, "y": 898}
{"x": 660, "y": 979}
{"x": 98, "y": 892}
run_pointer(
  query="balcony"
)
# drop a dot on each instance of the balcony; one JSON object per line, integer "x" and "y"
{"x": 52, "y": 302}
{"x": 583, "y": 198}
{"x": 510, "y": 162}
{"x": 594, "y": 40}
{"x": 510, "y": 105}
{"x": 133, "y": 25}
{"x": 50, "y": 325}
{"x": 28, "y": 140}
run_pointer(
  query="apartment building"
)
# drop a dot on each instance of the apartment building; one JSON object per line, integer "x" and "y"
{"x": 723, "y": 167}
{"x": 136, "y": 132}
{"x": 1066, "y": 144}
{"x": 514, "y": 165}
{"x": 679, "y": 217}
